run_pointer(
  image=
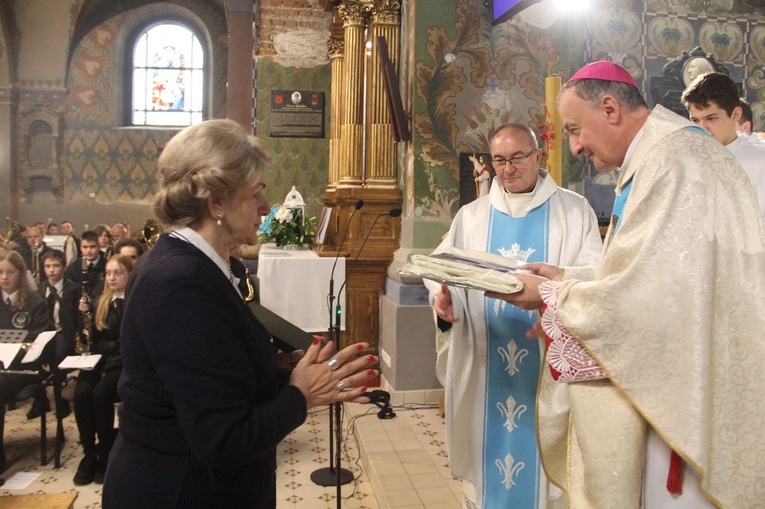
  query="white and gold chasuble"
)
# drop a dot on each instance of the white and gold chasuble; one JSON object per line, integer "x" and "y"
{"x": 674, "y": 316}
{"x": 490, "y": 370}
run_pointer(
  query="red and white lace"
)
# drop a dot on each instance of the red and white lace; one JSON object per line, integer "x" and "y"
{"x": 568, "y": 360}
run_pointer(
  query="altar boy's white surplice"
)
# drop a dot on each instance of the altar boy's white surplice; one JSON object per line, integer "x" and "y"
{"x": 489, "y": 368}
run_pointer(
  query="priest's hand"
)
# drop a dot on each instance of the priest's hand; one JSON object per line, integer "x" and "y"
{"x": 536, "y": 332}
{"x": 443, "y": 305}
{"x": 546, "y": 270}
{"x": 528, "y": 298}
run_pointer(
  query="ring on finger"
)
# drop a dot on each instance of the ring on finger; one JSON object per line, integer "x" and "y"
{"x": 342, "y": 384}
{"x": 333, "y": 364}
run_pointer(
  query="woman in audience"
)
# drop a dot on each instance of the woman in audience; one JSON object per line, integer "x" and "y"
{"x": 205, "y": 399}
{"x": 96, "y": 390}
{"x": 21, "y": 309}
{"x": 105, "y": 243}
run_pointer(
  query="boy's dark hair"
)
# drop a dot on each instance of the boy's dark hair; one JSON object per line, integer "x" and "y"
{"x": 55, "y": 254}
{"x": 712, "y": 87}
{"x": 128, "y": 242}
{"x": 90, "y": 236}
{"x": 746, "y": 112}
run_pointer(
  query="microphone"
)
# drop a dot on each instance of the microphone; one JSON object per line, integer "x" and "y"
{"x": 331, "y": 296}
{"x": 392, "y": 213}
{"x": 381, "y": 399}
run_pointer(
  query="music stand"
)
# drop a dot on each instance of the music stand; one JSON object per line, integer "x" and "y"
{"x": 12, "y": 335}
{"x": 11, "y": 342}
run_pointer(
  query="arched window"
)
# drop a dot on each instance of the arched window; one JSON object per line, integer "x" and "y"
{"x": 168, "y": 76}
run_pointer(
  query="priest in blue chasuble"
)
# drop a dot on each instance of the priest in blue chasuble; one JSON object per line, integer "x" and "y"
{"x": 488, "y": 366}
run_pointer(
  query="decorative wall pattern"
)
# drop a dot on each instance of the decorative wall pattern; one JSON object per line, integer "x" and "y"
{"x": 109, "y": 164}
{"x": 100, "y": 162}
{"x": 299, "y": 162}
{"x": 719, "y": 28}
{"x": 471, "y": 78}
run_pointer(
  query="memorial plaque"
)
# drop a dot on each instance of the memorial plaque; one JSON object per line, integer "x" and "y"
{"x": 297, "y": 114}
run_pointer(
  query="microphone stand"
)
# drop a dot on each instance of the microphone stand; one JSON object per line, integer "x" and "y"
{"x": 334, "y": 476}
{"x": 338, "y": 406}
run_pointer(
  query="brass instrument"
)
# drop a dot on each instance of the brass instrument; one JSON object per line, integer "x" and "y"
{"x": 36, "y": 266}
{"x": 12, "y": 230}
{"x": 80, "y": 346}
{"x": 250, "y": 289}
{"x": 109, "y": 251}
{"x": 149, "y": 233}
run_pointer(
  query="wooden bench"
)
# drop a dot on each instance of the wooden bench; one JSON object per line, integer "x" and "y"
{"x": 39, "y": 501}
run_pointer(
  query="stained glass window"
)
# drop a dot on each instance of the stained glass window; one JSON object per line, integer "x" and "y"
{"x": 168, "y": 77}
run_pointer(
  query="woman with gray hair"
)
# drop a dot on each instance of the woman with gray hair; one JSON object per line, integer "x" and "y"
{"x": 205, "y": 398}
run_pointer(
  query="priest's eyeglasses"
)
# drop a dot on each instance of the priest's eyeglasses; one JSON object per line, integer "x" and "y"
{"x": 513, "y": 161}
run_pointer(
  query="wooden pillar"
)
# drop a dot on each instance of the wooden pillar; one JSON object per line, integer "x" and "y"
{"x": 240, "y": 62}
{"x": 336, "y": 57}
{"x": 379, "y": 239}
{"x": 352, "y": 127}
{"x": 381, "y": 147}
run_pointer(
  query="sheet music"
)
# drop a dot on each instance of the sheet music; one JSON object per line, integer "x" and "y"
{"x": 86, "y": 362}
{"x": 36, "y": 348}
{"x": 8, "y": 352}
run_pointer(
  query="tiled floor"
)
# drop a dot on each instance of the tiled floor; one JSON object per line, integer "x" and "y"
{"x": 398, "y": 463}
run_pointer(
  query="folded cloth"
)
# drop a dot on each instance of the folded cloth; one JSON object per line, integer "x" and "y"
{"x": 461, "y": 273}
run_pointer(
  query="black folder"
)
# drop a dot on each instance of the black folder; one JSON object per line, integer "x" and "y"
{"x": 287, "y": 336}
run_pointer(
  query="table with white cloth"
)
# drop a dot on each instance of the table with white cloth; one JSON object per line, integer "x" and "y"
{"x": 294, "y": 284}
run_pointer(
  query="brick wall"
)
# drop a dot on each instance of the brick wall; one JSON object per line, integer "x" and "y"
{"x": 284, "y": 16}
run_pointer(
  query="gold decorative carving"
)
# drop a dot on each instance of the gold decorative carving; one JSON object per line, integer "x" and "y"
{"x": 352, "y": 13}
{"x": 336, "y": 47}
{"x": 385, "y": 12}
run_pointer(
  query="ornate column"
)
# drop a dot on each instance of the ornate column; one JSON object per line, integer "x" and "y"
{"x": 352, "y": 128}
{"x": 336, "y": 57}
{"x": 9, "y": 198}
{"x": 381, "y": 147}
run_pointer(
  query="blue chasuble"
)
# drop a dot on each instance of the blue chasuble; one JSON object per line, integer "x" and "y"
{"x": 511, "y": 463}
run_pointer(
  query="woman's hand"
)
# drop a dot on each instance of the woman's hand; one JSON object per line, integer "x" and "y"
{"x": 288, "y": 360}
{"x": 324, "y": 378}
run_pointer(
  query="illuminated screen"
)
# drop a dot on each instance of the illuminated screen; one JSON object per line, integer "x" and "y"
{"x": 502, "y": 10}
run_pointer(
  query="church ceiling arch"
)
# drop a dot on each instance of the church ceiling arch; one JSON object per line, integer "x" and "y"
{"x": 95, "y": 12}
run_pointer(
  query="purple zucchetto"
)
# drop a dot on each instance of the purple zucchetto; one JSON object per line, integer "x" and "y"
{"x": 605, "y": 71}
